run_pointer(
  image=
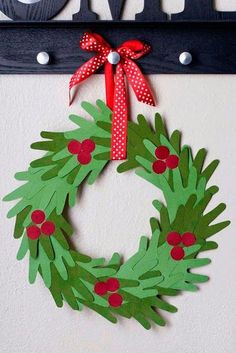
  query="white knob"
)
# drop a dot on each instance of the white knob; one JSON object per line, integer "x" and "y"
{"x": 185, "y": 58}
{"x": 43, "y": 58}
{"x": 113, "y": 58}
{"x": 29, "y": 1}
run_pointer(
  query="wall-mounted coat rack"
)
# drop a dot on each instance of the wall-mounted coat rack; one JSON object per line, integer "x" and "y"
{"x": 199, "y": 40}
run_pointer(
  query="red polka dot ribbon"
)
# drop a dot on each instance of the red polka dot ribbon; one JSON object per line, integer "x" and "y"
{"x": 116, "y": 93}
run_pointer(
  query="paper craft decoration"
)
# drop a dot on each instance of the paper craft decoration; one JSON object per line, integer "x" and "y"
{"x": 116, "y": 96}
{"x": 163, "y": 262}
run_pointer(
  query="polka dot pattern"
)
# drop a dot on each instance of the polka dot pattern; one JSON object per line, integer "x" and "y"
{"x": 120, "y": 117}
{"x": 128, "y": 51}
{"x": 90, "y": 43}
{"x": 138, "y": 83}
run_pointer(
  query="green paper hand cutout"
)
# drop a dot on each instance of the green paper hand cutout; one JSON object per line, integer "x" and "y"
{"x": 162, "y": 265}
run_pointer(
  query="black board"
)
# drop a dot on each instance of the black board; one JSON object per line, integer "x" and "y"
{"x": 209, "y": 35}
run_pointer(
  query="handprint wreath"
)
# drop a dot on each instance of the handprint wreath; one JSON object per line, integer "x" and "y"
{"x": 162, "y": 264}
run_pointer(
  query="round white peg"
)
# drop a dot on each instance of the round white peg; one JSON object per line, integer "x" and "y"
{"x": 185, "y": 58}
{"x": 43, "y": 58}
{"x": 113, "y": 58}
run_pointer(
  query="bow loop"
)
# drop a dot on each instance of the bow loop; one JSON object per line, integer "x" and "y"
{"x": 116, "y": 90}
{"x": 93, "y": 42}
{"x": 133, "y": 49}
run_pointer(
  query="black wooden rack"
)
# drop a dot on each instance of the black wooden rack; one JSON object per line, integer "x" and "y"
{"x": 209, "y": 35}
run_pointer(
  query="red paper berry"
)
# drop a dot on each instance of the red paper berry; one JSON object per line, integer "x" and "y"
{"x": 115, "y": 300}
{"x": 172, "y": 161}
{"x": 48, "y": 228}
{"x": 113, "y": 284}
{"x": 174, "y": 238}
{"x": 159, "y": 167}
{"x": 88, "y": 146}
{"x": 100, "y": 288}
{"x": 84, "y": 158}
{"x": 74, "y": 147}
{"x": 38, "y": 216}
{"x": 177, "y": 253}
{"x": 33, "y": 232}
{"x": 188, "y": 239}
{"x": 162, "y": 152}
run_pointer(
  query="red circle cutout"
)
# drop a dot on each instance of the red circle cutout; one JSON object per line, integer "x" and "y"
{"x": 100, "y": 288}
{"x": 48, "y": 228}
{"x": 172, "y": 161}
{"x": 38, "y": 216}
{"x": 74, "y": 147}
{"x": 188, "y": 239}
{"x": 113, "y": 284}
{"x": 177, "y": 253}
{"x": 159, "y": 167}
{"x": 174, "y": 238}
{"x": 115, "y": 300}
{"x": 88, "y": 145}
{"x": 84, "y": 158}
{"x": 33, "y": 232}
{"x": 162, "y": 152}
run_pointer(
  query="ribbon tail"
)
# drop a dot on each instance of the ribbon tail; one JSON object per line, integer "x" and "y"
{"x": 138, "y": 83}
{"x": 85, "y": 71}
{"x": 110, "y": 84}
{"x": 119, "y": 117}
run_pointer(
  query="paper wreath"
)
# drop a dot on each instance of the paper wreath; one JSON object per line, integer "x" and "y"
{"x": 161, "y": 266}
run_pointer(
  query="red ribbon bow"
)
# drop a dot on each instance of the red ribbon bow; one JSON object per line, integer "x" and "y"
{"x": 116, "y": 93}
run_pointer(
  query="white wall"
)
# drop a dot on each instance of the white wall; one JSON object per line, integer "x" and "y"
{"x": 204, "y": 109}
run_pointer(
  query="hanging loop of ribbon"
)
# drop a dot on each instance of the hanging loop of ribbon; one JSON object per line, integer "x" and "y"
{"x": 116, "y": 93}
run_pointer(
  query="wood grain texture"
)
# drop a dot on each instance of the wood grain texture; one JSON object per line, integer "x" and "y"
{"x": 151, "y": 12}
{"x": 85, "y": 13}
{"x": 40, "y": 11}
{"x": 116, "y": 7}
{"x": 203, "y": 10}
{"x": 213, "y": 45}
